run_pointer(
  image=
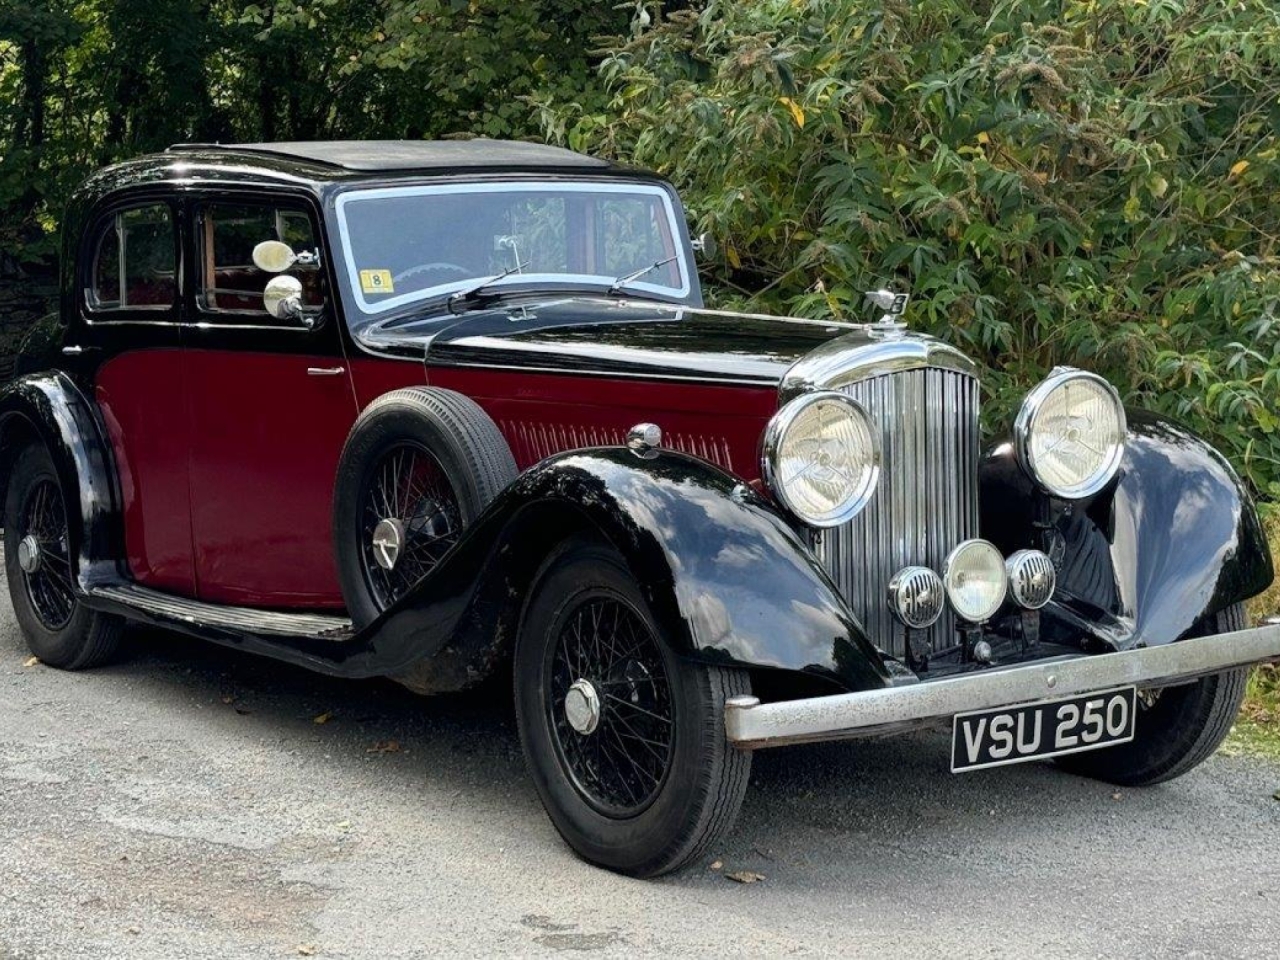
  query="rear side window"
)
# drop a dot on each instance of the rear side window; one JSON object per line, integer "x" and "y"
{"x": 135, "y": 261}
{"x": 229, "y": 281}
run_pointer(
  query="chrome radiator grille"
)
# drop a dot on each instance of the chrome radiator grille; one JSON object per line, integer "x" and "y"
{"x": 927, "y": 501}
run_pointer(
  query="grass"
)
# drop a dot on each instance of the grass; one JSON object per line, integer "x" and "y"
{"x": 1258, "y": 729}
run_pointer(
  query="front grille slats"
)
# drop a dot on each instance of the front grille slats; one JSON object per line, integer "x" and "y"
{"x": 927, "y": 499}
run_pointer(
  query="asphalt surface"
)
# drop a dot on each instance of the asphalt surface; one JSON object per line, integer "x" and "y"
{"x": 186, "y": 803}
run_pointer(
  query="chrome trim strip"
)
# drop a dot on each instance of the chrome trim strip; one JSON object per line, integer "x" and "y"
{"x": 750, "y": 724}
{"x": 246, "y": 619}
{"x": 837, "y": 363}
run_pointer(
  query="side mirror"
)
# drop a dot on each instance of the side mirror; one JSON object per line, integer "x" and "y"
{"x": 705, "y": 246}
{"x": 282, "y": 298}
{"x": 272, "y": 256}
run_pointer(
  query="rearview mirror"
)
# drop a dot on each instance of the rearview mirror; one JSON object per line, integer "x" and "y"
{"x": 282, "y": 298}
{"x": 272, "y": 256}
{"x": 705, "y": 246}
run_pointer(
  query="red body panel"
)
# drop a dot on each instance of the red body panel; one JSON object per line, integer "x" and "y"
{"x": 265, "y": 442}
{"x": 142, "y": 398}
{"x": 544, "y": 413}
{"x": 228, "y": 458}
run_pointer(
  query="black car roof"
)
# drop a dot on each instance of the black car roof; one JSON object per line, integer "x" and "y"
{"x": 382, "y": 156}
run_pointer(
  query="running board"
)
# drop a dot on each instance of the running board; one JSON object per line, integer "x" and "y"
{"x": 179, "y": 611}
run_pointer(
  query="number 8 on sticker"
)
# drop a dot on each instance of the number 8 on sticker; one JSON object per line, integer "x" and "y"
{"x": 376, "y": 281}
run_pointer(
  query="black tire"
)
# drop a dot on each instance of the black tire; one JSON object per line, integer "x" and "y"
{"x": 1178, "y": 729}
{"x": 460, "y": 461}
{"x": 58, "y": 627}
{"x": 685, "y": 803}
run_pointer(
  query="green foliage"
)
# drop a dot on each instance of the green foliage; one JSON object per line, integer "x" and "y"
{"x": 86, "y": 82}
{"x": 1095, "y": 183}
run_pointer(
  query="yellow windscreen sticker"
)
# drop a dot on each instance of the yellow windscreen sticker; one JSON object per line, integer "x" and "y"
{"x": 376, "y": 281}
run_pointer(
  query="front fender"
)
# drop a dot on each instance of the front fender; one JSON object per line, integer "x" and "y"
{"x": 725, "y": 576}
{"x": 49, "y": 408}
{"x": 1174, "y": 539}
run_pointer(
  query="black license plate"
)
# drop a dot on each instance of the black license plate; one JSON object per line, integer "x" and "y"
{"x": 1049, "y": 728}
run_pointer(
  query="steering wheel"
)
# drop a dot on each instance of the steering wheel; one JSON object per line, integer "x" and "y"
{"x": 404, "y": 275}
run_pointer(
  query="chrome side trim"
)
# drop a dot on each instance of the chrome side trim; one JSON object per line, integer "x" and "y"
{"x": 244, "y": 619}
{"x": 837, "y": 363}
{"x": 750, "y": 724}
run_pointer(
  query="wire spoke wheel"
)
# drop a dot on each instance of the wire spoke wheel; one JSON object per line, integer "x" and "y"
{"x": 44, "y": 555}
{"x": 610, "y": 706}
{"x": 410, "y": 517}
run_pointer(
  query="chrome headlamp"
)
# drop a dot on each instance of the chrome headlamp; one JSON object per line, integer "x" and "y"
{"x": 822, "y": 458}
{"x": 1070, "y": 433}
{"x": 975, "y": 579}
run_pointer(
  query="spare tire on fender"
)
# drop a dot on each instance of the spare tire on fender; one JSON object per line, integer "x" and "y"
{"x": 418, "y": 466}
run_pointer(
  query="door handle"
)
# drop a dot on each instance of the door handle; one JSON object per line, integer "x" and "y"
{"x": 326, "y": 371}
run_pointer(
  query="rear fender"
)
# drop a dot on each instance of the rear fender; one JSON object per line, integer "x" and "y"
{"x": 49, "y": 408}
{"x": 1175, "y": 539}
{"x": 723, "y": 573}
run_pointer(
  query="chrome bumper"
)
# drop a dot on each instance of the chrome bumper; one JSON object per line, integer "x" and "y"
{"x": 751, "y": 724}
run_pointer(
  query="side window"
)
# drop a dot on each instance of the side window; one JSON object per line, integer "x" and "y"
{"x": 134, "y": 261}
{"x": 230, "y": 285}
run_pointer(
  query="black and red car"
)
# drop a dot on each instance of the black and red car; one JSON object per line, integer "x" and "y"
{"x": 434, "y": 411}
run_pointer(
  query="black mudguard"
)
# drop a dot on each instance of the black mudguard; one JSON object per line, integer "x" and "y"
{"x": 49, "y": 407}
{"x": 726, "y": 577}
{"x": 1174, "y": 539}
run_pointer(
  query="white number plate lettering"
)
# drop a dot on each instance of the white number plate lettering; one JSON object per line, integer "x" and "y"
{"x": 1049, "y": 728}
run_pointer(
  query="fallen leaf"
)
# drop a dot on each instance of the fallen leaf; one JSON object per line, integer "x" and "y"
{"x": 388, "y": 746}
{"x": 1276, "y": 795}
{"x": 343, "y": 824}
{"x": 228, "y": 699}
{"x": 718, "y": 865}
{"x": 306, "y": 950}
{"x": 322, "y": 717}
{"x": 1117, "y": 795}
{"x": 134, "y": 930}
{"x": 744, "y": 876}
{"x": 1237, "y": 168}
{"x": 30, "y": 661}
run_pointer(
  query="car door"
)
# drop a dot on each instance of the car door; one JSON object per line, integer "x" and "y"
{"x": 129, "y": 269}
{"x": 269, "y": 405}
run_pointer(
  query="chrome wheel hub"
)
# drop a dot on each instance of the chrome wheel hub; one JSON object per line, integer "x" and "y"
{"x": 388, "y": 541}
{"x": 582, "y": 707}
{"x": 29, "y": 554}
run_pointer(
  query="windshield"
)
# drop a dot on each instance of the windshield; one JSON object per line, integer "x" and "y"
{"x": 406, "y": 244}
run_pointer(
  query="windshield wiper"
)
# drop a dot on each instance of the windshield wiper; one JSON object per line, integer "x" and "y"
{"x": 617, "y": 285}
{"x": 465, "y": 298}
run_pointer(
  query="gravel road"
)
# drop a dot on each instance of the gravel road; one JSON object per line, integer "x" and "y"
{"x": 189, "y": 802}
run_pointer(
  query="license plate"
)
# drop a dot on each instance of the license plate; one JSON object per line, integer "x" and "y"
{"x": 1049, "y": 728}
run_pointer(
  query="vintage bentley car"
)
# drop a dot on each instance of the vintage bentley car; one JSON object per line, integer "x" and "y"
{"x": 445, "y": 411}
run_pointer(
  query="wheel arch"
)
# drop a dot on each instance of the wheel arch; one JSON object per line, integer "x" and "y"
{"x": 695, "y": 538}
{"x": 49, "y": 408}
{"x": 1174, "y": 539}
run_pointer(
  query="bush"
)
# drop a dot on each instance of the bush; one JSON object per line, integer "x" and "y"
{"x": 1095, "y": 183}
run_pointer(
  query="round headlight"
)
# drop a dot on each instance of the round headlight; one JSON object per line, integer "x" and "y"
{"x": 975, "y": 579}
{"x": 1070, "y": 433}
{"x": 821, "y": 458}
